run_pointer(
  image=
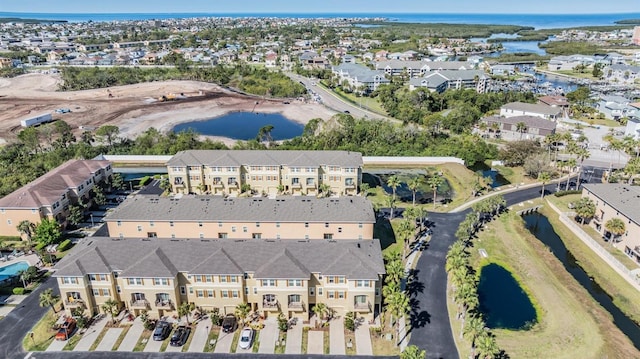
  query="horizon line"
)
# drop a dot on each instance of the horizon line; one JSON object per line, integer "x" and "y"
{"x": 331, "y": 12}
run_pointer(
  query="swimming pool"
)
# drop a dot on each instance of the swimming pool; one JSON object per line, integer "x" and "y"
{"x": 12, "y": 269}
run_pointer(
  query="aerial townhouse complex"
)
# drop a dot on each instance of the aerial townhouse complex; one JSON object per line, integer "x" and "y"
{"x": 269, "y": 172}
{"x": 215, "y": 217}
{"x": 50, "y": 195}
{"x": 280, "y": 255}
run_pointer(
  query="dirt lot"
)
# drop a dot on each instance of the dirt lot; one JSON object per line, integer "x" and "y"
{"x": 133, "y": 108}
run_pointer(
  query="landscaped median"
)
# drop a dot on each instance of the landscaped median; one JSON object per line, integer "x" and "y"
{"x": 570, "y": 323}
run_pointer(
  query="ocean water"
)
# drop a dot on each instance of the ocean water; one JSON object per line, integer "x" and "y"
{"x": 539, "y": 21}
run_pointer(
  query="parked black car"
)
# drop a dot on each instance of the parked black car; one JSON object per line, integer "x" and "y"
{"x": 180, "y": 336}
{"x": 162, "y": 330}
{"x": 229, "y": 324}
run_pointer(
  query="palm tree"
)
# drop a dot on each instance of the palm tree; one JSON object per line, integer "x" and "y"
{"x": 48, "y": 299}
{"x": 391, "y": 201}
{"x": 324, "y": 188}
{"x": 434, "y": 182}
{"x": 395, "y": 271}
{"x": 184, "y": 309}
{"x": 319, "y": 310}
{"x": 582, "y": 154}
{"x": 413, "y": 185}
{"x": 571, "y": 164}
{"x": 111, "y": 307}
{"x": 616, "y": 227}
{"x": 487, "y": 346}
{"x": 242, "y": 311}
{"x": 456, "y": 257}
{"x": 405, "y": 231}
{"x": 26, "y": 228}
{"x": 398, "y": 305}
{"x": 413, "y": 352}
{"x": 521, "y": 127}
{"x": 393, "y": 182}
{"x": 544, "y": 178}
{"x": 585, "y": 209}
{"x": 473, "y": 330}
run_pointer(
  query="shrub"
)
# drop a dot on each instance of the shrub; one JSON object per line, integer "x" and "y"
{"x": 349, "y": 321}
{"x": 40, "y": 246}
{"x": 144, "y": 180}
{"x": 566, "y": 193}
{"x": 66, "y": 244}
{"x": 18, "y": 291}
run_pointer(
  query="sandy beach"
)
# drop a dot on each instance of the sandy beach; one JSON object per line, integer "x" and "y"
{"x": 134, "y": 108}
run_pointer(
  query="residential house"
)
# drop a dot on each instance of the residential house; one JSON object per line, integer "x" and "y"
{"x": 214, "y": 217}
{"x": 617, "y": 200}
{"x": 519, "y": 127}
{"x": 563, "y": 63}
{"x": 359, "y": 77}
{"x": 439, "y": 81}
{"x": 622, "y": 73}
{"x": 633, "y": 128}
{"x": 530, "y": 109}
{"x": 273, "y": 277}
{"x": 503, "y": 70}
{"x": 50, "y": 195}
{"x": 615, "y": 107}
{"x": 555, "y": 101}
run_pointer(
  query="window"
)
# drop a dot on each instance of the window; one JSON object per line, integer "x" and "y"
{"x": 340, "y": 294}
{"x": 255, "y": 290}
{"x": 119, "y": 223}
{"x": 223, "y": 279}
{"x": 98, "y": 277}
{"x": 328, "y": 236}
{"x": 152, "y": 235}
{"x": 70, "y": 280}
{"x": 306, "y": 225}
{"x": 201, "y": 235}
{"x": 246, "y": 290}
{"x": 235, "y": 294}
{"x": 244, "y": 229}
{"x": 139, "y": 228}
{"x": 257, "y": 224}
{"x": 277, "y": 224}
{"x": 199, "y": 224}
{"x": 219, "y": 224}
{"x": 331, "y": 294}
{"x": 208, "y": 278}
{"x": 268, "y": 282}
{"x": 310, "y": 181}
{"x": 199, "y": 293}
{"x": 312, "y": 291}
{"x": 363, "y": 283}
{"x": 339, "y": 229}
{"x": 233, "y": 229}
{"x": 134, "y": 281}
{"x": 326, "y": 225}
{"x": 151, "y": 224}
{"x": 377, "y": 291}
{"x": 233, "y": 279}
{"x": 222, "y": 235}
{"x": 256, "y": 235}
{"x": 183, "y": 290}
{"x": 210, "y": 293}
{"x": 306, "y": 236}
{"x": 170, "y": 223}
{"x": 320, "y": 291}
{"x": 160, "y": 281}
{"x": 118, "y": 289}
{"x": 224, "y": 293}
{"x": 294, "y": 283}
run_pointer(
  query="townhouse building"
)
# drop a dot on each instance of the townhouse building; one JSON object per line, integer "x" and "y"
{"x": 617, "y": 200}
{"x": 529, "y": 109}
{"x": 519, "y": 127}
{"x": 359, "y": 77}
{"x": 157, "y": 276}
{"x": 441, "y": 80}
{"x": 214, "y": 217}
{"x": 50, "y": 195}
{"x": 224, "y": 172}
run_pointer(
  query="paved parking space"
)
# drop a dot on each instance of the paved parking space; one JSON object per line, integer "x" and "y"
{"x": 57, "y": 345}
{"x": 131, "y": 339}
{"x": 294, "y": 339}
{"x": 363, "y": 339}
{"x": 153, "y": 346}
{"x": 109, "y": 339}
{"x": 315, "y": 342}
{"x": 200, "y": 336}
{"x": 15, "y": 299}
{"x": 223, "y": 345}
{"x": 268, "y": 336}
{"x": 91, "y": 335}
{"x": 172, "y": 349}
{"x": 336, "y": 337}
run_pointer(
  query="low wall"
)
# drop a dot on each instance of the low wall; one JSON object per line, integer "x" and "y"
{"x": 418, "y": 161}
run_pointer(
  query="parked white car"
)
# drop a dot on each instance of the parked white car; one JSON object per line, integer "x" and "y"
{"x": 246, "y": 338}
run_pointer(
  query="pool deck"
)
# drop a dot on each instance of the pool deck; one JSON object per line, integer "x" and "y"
{"x": 32, "y": 259}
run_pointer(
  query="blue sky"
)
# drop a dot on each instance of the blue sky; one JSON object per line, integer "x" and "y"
{"x": 323, "y": 6}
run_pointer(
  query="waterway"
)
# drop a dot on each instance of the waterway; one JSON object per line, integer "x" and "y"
{"x": 502, "y": 301}
{"x": 539, "y": 226}
{"x": 497, "y": 180}
{"x": 245, "y": 126}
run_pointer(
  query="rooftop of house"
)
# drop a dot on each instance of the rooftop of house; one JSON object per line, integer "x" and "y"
{"x": 529, "y": 121}
{"x": 559, "y": 101}
{"x": 163, "y": 258}
{"x": 351, "y": 209}
{"x": 621, "y": 197}
{"x": 533, "y": 108}
{"x": 48, "y": 188}
{"x": 266, "y": 158}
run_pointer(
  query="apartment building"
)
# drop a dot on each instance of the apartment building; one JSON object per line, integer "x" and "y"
{"x": 617, "y": 200}
{"x": 272, "y": 276}
{"x": 50, "y": 195}
{"x": 215, "y": 217}
{"x": 223, "y": 172}
{"x": 529, "y": 109}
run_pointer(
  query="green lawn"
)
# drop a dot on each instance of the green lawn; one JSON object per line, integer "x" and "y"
{"x": 43, "y": 333}
{"x": 213, "y": 334}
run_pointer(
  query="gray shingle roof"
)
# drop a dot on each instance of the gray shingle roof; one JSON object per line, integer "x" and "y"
{"x": 530, "y": 107}
{"x": 161, "y": 258}
{"x": 530, "y": 121}
{"x": 266, "y": 158}
{"x": 621, "y": 197}
{"x": 218, "y": 209}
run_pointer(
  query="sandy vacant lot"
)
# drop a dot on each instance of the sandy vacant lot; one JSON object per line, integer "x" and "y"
{"x": 133, "y": 108}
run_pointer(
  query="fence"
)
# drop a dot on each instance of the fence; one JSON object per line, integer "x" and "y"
{"x": 628, "y": 275}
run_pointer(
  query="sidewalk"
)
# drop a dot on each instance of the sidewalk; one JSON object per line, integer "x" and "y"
{"x": 268, "y": 336}
{"x": 363, "y": 339}
{"x": 91, "y": 334}
{"x": 336, "y": 337}
{"x": 294, "y": 339}
{"x": 109, "y": 339}
{"x": 131, "y": 339}
{"x": 200, "y": 336}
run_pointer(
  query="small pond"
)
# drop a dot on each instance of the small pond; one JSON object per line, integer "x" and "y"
{"x": 245, "y": 126}
{"x": 485, "y": 171}
{"x": 540, "y": 226}
{"x": 424, "y": 194}
{"x": 502, "y": 301}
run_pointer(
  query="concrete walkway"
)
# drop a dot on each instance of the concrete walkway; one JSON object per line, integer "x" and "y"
{"x": 336, "y": 337}
{"x": 294, "y": 340}
{"x": 363, "y": 339}
{"x": 109, "y": 339}
{"x": 200, "y": 336}
{"x": 223, "y": 345}
{"x": 153, "y": 346}
{"x": 268, "y": 336}
{"x": 131, "y": 339}
{"x": 57, "y": 345}
{"x": 91, "y": 335}
{"x": 315, "y": 342}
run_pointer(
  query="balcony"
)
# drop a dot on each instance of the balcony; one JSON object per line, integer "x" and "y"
{"x": 232, "y": 184}
{"x": 296, "y": 185}
{"x": 296, "y": 305}
{"x": 139, "y": 304}
{"x": 350, "y": 185}
{"x": 362, "y": 307}
{"x": 217, "y": 184}
{"x": 164, "y": 304}
{"x": 74, "y": 303}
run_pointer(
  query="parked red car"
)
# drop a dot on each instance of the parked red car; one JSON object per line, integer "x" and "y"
{"x": 66, "y": 330}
